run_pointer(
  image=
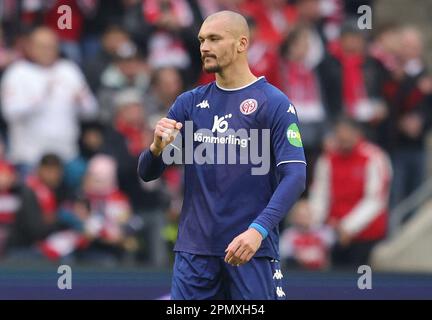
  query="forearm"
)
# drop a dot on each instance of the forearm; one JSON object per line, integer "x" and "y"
{"x": 291, "y": 186}
{"x": 362, "y": 215}
{"x": 150, "y": 166}
{"x": 319, "y": 195}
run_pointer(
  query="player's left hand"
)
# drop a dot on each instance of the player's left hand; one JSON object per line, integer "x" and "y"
{"x": 243, "y": 247}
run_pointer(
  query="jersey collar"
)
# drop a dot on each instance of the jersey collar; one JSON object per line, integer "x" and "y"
{"x": 239, "y": 88}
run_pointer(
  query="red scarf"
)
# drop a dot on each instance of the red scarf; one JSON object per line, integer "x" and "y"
{"x": 134, "y": 137}
{"x": 353, "y": 84}
{"x": 299, "y": 82}
{"x": 45, "y": 196}
{"x": 152, "y": 11}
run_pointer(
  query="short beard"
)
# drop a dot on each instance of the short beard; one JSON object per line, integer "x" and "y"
{"x": 213, "y": 69}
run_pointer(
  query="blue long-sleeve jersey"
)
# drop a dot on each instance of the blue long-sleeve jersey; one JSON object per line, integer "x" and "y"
{"x": 224, "y": 196}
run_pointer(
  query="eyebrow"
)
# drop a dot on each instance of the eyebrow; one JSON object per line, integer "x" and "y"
{"x": 210, "y": 35}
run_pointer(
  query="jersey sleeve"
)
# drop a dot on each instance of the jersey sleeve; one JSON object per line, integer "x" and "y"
{"x": 178, "y": 110}
{"x": 285, "y": 133}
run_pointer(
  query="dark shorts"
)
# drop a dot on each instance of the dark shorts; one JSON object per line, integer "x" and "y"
{"x": 197, "y": 277}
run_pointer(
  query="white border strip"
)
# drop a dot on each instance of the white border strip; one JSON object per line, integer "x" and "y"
{"x": 291, "y": 161}
{"x": 235, "y": 89}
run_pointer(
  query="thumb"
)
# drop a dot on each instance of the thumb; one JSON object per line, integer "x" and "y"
{"x": 178, "y": 125}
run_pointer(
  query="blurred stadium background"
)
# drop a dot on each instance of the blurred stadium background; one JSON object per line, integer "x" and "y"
{"x": 78, "y": 106}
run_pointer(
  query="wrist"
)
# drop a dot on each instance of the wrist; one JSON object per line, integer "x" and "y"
{"x": 260, "y": 229}
{"x": 155, "y": 151}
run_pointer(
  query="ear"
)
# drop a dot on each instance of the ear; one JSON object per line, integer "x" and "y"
{"x": 243, "y": 44}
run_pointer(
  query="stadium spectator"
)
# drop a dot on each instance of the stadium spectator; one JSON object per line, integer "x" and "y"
{"x": 332, "y": 14}
{"x": 42, "y": 98}
{"x": 304, "y": 244}
{"x": 45, "y": 182}
{"x": 173, "y": 40}
{"x": 21, "y": 218}
{"x": 72, "y": 234}
{"x": 274, "y": 18}
{"x": 107, "y": 225}
{"x": 111, "y": 40}
{"x": 97, "y": 23}
{"x": 350, "y": 193}
{"x": 385, "y": 47}
{"x": 124, "y": 142}
{"x": 383, "y": 51}
{"x": 90, "y": 143}
{"x": 133, "y": 22}
{"x": 313, "y": 89}
{"x": 361, "y": 89}
{"x": 7, "y": 54}
{"x": 69, "y": 37}
{"x": 309, "y": 13}
{"x": 128, "y": 70}
{"x": 409, "y": 115}
{"x": 166, "y": 85}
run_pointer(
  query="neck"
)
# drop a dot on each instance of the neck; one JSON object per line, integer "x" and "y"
{"x": 235, "y": 77}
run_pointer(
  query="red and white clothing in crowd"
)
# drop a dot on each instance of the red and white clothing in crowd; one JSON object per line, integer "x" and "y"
{"x": 166, "y": 49}
{"x": 333, "y": 15}
{"x": 62, "y": 243}
{"x": 356, "y": 102}
{"x": 9, "y": 201}
{"x": 78, "y": 10}
{"x": 352, "y": 190}
{"x": 105, "y": 222}
{"x": 45, "y": 196}
{"x": 301, "y": 84}
{"x": 310, "y": 248}
{"x": 109, "y": 213}
{"x": 273, "y": 23}
{"x": 262, "y": 58}
{"x": 9, "y": 205}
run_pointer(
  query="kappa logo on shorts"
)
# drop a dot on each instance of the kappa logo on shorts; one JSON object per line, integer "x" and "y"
{"x": 248, "y": 106}
{"x": 280, "y": 293}
{"x": 278, "y": 274}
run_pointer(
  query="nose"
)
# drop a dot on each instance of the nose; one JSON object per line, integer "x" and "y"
{"x": 204, "y": 46}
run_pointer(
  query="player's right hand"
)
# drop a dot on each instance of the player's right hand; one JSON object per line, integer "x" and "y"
{"x": 165, "y": 133}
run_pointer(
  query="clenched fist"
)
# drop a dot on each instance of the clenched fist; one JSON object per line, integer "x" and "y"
{"x": 165, "y": 133}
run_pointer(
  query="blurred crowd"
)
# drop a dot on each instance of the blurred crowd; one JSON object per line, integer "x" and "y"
{"x": 79, "y": 105}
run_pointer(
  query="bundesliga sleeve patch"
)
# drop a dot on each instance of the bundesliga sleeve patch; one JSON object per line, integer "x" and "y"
{"x": 293, "y": 135}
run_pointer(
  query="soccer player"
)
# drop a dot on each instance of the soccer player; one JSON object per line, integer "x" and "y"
{"x": 227, "y": 246}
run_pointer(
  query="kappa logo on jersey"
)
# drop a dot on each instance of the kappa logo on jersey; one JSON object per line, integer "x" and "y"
{"x": 293, "y": 135}
{"x": 291, "y": 109}
{"x": 278, "y": 274}
{"x": 280, "y": 293}
{"x": 220, "y": 124}
{"x": 203, "y": 104}
{"x": 248, "y": 106}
